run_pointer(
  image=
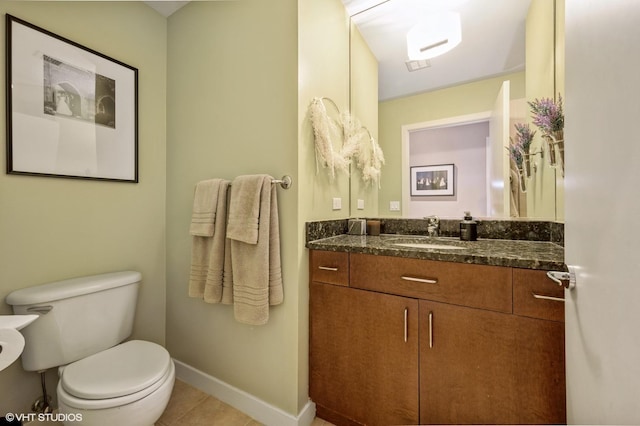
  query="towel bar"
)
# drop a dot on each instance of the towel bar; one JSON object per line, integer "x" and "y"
{"x": 285, "y": 182}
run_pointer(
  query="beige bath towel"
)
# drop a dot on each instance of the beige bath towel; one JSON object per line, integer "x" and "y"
{"x": 244, "y": 208}
{"x": 227, "y": 275}
{"x": 257, "y": 272}
{"x": 205, "y": 200}
{"x": 208, "y": 255}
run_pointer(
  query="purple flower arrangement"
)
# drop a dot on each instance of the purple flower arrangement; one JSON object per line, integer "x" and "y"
{"x": 524, "y": 136}
{"x": 548, "y": 115}
{"x": 522, "y": 143}
{"x": 516, "y": 155}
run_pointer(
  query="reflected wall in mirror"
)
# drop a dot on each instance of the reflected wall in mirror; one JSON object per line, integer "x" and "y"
{"x": 460, "y": 85}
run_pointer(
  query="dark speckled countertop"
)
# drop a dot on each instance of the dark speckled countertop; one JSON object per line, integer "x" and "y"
{"x": 512, "y": 253}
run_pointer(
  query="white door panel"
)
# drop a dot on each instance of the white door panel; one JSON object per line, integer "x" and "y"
{"x": 498, "y": 166}
{"x": 602, "y": 199}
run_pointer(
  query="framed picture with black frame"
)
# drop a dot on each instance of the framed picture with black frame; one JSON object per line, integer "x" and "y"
{"x": 432, "y": 180}
{"x": 72, "y": 112}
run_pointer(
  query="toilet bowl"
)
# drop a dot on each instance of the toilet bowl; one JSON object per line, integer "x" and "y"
{"x": 80, "y": 329}
{"x": 129, "y": 384}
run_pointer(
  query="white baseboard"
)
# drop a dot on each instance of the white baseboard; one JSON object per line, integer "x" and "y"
{"x": 254, "y": 407}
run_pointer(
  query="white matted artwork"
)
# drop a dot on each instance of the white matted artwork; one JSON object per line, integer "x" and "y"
{"x": 432, "y": 180}
{"x": 71, "y": 111}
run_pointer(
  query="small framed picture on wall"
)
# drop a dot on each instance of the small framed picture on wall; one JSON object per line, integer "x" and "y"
{"x": 433, "y": 180}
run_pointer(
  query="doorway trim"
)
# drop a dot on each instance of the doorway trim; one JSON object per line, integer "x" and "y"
{"x": 407, "y": 129}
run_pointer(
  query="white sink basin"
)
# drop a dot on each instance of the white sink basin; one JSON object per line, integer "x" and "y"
{"x": 429, "y": 246}
{"x": 423, "y": 242}
{"x": 11, "y": 341}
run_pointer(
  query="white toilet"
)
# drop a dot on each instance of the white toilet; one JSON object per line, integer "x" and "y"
{"x": 80, "y": 329}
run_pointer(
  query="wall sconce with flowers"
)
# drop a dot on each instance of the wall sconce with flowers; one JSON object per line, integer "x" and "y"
{"x": 519, "y": 151}
{"x": 549, "y": 118}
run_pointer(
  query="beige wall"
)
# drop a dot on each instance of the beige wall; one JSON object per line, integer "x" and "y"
{"x": 323, "y": 71}
{"x": 224, "y": 91}
{"x": 225, "y": 122}
{"x": 52, "y": 229}
{"x": 232, "y": 108}
{"x": 364, "y": 106}
{"x": 559, "y": 85}
{"x": 464, "y": 99}
{"x": 540, "y": 83}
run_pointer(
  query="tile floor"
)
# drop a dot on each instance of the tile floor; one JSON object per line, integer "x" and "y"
{"x": 189, "y": 406}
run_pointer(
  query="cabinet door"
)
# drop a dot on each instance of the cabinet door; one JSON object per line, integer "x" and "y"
{"x": 540, "y": 371}
{"x": 466, "y": 365}
{"x": 538, "y": 305}
{"x": 363, "y": 356}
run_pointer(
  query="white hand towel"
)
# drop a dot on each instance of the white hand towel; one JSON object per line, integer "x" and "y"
{"x": 205, "y": 200}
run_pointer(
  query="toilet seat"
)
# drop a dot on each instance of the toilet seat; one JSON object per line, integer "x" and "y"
{"x": 120, "y": 375}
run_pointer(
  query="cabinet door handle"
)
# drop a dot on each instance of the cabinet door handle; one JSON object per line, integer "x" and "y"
{"x": 560, "y": 276}
{"x": 328, "y": 268}
{"x": 419, "y": 280}
{"x": 431, "y": 329}
{"x": 406, "y": 325}
{"x": 555, "y": 299}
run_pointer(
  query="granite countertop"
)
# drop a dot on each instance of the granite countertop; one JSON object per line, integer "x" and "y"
{"x": 512, "y": 253}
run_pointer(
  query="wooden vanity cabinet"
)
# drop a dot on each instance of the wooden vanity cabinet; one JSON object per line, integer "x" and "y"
{"x": 467, "y": 359}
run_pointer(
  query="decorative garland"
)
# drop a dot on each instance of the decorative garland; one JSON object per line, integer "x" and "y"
{"x": 324, "y": 129}
{"x": 352, "y": 141}
{"x": 370, "y": 159}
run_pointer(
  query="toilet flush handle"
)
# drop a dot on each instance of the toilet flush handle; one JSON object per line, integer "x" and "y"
{"x": 40, "y": 310}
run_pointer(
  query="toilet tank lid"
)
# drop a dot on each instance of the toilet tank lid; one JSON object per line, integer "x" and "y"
{"x": 71, "y": 288}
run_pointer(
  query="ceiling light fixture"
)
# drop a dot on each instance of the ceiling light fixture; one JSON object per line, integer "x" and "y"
{"x": 434, "y": 35}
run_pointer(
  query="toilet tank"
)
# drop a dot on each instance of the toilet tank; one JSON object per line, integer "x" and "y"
{"x": 77, "y": 317}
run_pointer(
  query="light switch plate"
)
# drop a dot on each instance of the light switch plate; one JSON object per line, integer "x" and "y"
{"x": 337, "y": 203}
{"x": 360, "y": 204}
{"x": 394, "y": 206}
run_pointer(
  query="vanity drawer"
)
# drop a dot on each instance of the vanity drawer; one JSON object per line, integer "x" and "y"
{"x": 478, "y": 286}
{"x": 536, "y": 296}
{"x": 331, "y": 267}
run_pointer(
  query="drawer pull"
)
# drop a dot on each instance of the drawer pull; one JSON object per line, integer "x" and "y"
{"x": 406, "y": 329}
{"x": 419, "y": 280}
{"x": 555, "y": 299}
{"x": 328, "y": 268}
{"x": 431, "y": 329}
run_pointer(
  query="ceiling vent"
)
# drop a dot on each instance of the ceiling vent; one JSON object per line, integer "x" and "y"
{"x": 417, "y": 64}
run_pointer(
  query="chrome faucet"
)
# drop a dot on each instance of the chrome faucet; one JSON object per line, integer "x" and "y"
{"x": 433, "y": 225}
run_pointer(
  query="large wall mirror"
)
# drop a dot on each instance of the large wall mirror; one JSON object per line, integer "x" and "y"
{"x": 449, "y": 109}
